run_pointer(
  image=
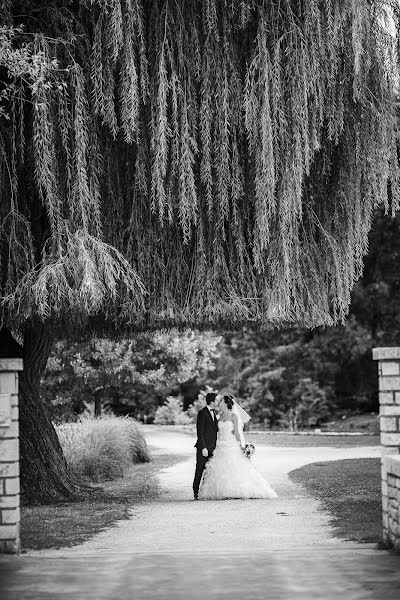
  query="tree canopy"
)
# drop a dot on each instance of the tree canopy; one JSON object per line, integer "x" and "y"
{"x": 209, "y": 163}
{"x": 201, "y": 162}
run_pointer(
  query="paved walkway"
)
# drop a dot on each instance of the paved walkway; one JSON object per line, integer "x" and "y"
{"x": 175, "y": 548}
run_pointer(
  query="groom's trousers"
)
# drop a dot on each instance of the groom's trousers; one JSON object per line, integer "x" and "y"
{"x": 201, "y": 462}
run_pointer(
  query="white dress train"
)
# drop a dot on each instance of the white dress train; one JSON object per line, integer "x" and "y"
{"x": 229, "y": 473}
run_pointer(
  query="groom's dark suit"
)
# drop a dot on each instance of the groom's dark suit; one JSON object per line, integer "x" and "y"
{"x": 207, "y": 429}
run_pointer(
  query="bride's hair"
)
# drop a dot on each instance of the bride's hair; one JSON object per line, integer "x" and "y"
{"x": 229, "y": 401}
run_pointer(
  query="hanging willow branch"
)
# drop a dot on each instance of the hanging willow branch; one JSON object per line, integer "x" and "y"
{"x": 202, "y": 162}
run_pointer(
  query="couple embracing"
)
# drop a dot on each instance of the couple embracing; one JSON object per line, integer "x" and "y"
{"x": 222, "y": 469}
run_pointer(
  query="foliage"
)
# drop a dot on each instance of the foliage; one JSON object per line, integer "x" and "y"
{"x": 216, "y": 165}
{"x": 102, "y": 449}
{"x": 171, "y": 412}
{"x": 193, "y": 409}
{"x": 199, "y": 403}
{"x": 309, "y": 408}
{"x": 90, "y": 411}
{"x": 296, "y": 379}
{"x": 175, "y": 163}
{"x": 265, "y": 370}
{"x": 63, "y": 408}
{"x": 126, "y": 372}
{"x": 376, "y": 297}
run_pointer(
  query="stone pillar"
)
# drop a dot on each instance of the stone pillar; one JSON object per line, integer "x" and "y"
{"x": 389, "y": 413}
{"x": 9, "y": 455}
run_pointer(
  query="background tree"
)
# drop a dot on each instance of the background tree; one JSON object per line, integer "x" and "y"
{"x": 185, "y": 162}
{"x": 133, "y": 376}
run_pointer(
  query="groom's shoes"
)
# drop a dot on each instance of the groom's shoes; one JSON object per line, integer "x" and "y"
{"x": 196, "y": 497}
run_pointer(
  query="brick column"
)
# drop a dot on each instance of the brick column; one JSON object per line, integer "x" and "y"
{"x": 9, "y": 455}
{"x": 389, "y": 413}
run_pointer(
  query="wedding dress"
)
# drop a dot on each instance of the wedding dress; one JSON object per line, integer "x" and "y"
{"x": 229, "y": 473}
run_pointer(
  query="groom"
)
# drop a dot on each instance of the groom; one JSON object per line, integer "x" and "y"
{"x": 207, "y": 429}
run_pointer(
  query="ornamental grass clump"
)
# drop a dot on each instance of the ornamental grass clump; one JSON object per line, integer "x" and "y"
{"x": 102, "y": 449}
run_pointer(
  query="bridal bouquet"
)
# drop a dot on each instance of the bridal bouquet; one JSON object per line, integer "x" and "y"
{"x": 249, "y": 450}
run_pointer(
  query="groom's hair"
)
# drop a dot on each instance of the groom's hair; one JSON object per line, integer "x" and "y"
{"x": 210, "y": 397}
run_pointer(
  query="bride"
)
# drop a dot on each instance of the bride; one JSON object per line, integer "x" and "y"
{"x": 229, "y": 473}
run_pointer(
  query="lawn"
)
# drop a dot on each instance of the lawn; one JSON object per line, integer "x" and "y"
{"x": 303, "y": 441}
{"x": 69, "y": 524}
{"x": 351, "y": 491}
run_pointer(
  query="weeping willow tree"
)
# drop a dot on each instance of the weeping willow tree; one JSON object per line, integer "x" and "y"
{"x": 164, "y": 163}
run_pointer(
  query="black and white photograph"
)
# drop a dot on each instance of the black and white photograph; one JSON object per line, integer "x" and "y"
{"x": 199, "y": 299}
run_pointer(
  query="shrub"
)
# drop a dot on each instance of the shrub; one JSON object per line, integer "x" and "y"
{"x": 199, "y": 403}
{"x": 193, "y": 409}
{"x": 171, "y": 412}
{"x": 61, "y": 409}
{"x": 104, "y": 448}
{"x": 310, "y": 406}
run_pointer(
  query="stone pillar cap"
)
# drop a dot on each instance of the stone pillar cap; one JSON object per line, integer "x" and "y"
{"x": 11, "y": 364}
{"x": 389, "y": 353}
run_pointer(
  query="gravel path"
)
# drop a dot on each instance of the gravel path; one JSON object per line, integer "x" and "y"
{"x": 174, "y": 547}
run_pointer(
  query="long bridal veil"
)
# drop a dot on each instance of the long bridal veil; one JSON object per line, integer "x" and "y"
{"x": 243, "y": 418}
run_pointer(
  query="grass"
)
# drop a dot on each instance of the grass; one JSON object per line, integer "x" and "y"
{"x": 71, "y": 524}
{"x": 100, "y": 449}
{"x": 303, "y": 441}
{"x": 351, "y": 491}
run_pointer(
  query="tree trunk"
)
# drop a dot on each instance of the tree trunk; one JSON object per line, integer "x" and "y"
{"x": 98, "y": 401}
{"x": 45, "y": 477}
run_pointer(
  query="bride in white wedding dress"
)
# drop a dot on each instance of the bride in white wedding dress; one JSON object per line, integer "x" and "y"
{"x": 229, "y": 473}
